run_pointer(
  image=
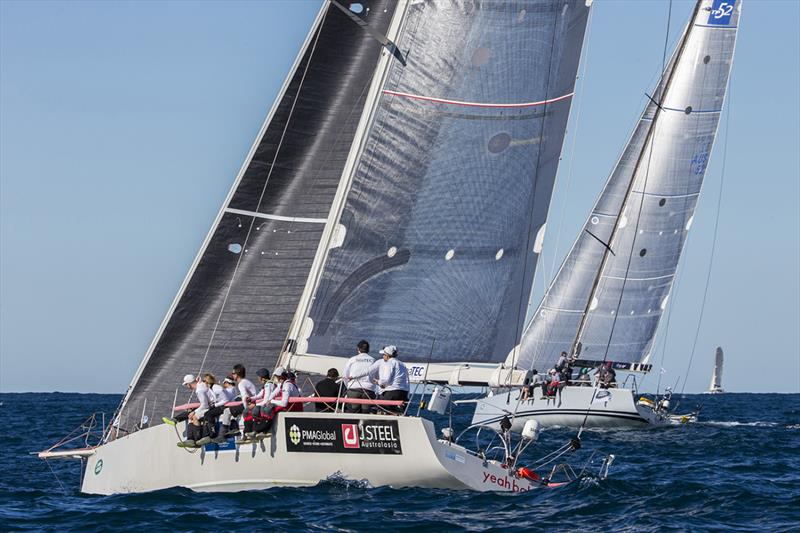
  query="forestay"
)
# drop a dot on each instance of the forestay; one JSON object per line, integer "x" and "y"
{"x": 437, "y": 241}
{"x": 625, "y": 259}
{"x": 239, "y": 299}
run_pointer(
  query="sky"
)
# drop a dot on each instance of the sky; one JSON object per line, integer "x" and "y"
{"x": 124, "y": 124}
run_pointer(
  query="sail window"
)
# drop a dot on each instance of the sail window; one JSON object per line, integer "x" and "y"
{"x": 481, "y": 56}
{"x": 521, "y": 15}
{"x": 595, "y": 220}
{"x": 662, "y": 202}
{"x": 449, "y": 255}
{"x": 642, "y": 252}
{"x": 356, "y": 7}
{"x": 498, "y": 255}
{"x": 706, "y": 59}
{"x": 235, "y": 248}
{"x": 688, "y": 109}
{"x": 499, "y": 142}
{"x": 391, "y": 251}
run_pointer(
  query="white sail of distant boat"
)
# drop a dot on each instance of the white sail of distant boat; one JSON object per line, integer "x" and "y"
{"x": 716, "y": 377}
{"x": 606, "y": 301}
{"x": 398, "y": 192}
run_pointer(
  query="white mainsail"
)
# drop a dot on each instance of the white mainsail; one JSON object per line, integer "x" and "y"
{"x": 607, "y": 299}
{"x": 716, "y": 377}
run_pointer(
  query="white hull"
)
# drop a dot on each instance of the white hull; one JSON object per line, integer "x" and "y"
{"x": 568, "y": 409}
{"x": 150, "y": 460}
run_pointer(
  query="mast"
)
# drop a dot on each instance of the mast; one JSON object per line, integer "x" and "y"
{"x": 575, "y": 351}
{"x": 291, "y": 346}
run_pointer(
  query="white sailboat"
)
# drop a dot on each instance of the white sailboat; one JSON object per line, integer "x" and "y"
{"x": 716, "y": 377}
{"x": 397, "y": 192}
{"x": 605, "y": 303}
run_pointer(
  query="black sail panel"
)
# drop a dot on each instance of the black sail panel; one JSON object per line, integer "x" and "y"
{"x": 453, "y": 183}
{"x": 239, "y": 300}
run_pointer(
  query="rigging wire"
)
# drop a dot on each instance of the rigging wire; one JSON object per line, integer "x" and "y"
{"x": 714, "y": 240}
{"x": 663, "y": 90}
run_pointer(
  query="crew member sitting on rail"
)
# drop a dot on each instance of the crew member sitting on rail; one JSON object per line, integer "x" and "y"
{"x": 552, "y": 385}
{"x": 183, "y": 416}
{"x": 536, "y": 381}
{"x": 195, "y": 429}
{"x": 246, "y": 391}
{"x": 358, "y": 380}
{"x": 329, "y": 387}
{"x": 221, "y": 397}
{"x": 278, "y": 401}
{"x": 606, "y": 376}
{"x": 392, "y": 377}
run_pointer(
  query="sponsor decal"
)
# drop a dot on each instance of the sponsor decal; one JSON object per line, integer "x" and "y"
{"x": 328, "y": 435}
{"x": 455, "y": 457}
{"x": 98, "y": 467}
{"x": 602, "y": 396}
{"x": 416, "y": 371}
{"x": 505, "y": 482}
{"x": 294, "y": 434}
{"x": 721, "y": 12}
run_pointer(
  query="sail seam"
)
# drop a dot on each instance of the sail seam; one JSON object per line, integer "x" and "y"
{"x": 475, "y": 104}
{"x": 276, "y": 217}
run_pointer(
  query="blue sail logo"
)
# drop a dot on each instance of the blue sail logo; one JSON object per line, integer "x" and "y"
{"x": 721, "y": 12}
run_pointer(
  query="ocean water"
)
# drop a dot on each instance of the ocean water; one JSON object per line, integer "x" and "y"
{"x": 738, "y": 468}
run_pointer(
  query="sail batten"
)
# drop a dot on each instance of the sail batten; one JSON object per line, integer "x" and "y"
{"x": 643, "y": 213}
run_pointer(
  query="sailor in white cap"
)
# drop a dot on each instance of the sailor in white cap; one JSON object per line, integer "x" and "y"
{"x": 392, "y": 377}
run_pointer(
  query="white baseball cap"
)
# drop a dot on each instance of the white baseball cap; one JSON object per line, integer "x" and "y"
{"x": 188, "y": 378}
{"x": 280, "y": 371}
{"x": 390, "y": 350}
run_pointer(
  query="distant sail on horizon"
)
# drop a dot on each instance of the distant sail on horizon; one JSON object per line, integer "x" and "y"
{"x": 716, "y": 377}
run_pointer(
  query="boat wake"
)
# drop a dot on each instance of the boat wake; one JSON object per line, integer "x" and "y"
{"x": 734, "y": 423}
{"x": 338, "y": 479}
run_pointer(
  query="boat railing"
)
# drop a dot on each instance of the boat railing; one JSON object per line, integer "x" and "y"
{"x": 337, "y": 402}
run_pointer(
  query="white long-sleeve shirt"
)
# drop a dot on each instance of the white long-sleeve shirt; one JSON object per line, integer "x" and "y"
{"x": 392, "y": 374}
{"x": 204, "y": 395}
{"x": 359, "y": 365}
{"x": 220, "y": 397}
{"x": 266, "y": 392}
{"x": 246, "y": 390}
{"x": 286, "y": 390}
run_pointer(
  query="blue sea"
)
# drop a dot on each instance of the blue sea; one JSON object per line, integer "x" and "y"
{"x": 738, "y": 468}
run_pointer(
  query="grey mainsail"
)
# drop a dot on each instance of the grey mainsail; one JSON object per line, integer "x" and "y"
{"x": 606, "y": 300}
{"x": 240, "y": 296}
{"x": 442, "y": 224}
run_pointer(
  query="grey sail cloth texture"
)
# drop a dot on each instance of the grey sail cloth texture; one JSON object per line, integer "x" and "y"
{"x": 256, "y": 267}
{"x": 453, "y": 183}
{"x": 716, "y": 377}
{"x": 667, "y": 166}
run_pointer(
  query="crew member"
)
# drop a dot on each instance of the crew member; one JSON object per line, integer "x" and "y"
{"x": 278, "y": 401}
{"x": 329, "y": 387}
{"x": 246, "y": 391}
{"x": 357, "y": 377}
{"x": 392, "y": 377}
{"x": 606, "y": 376}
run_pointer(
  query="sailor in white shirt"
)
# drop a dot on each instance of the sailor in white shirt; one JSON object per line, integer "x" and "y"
{"x": 392, "y": 377}
{"x": 362, "y": 386}
{"x": 257, "y": 405}
{"x": 278, "y": 401}
{"x": 197, "y": 433}
{"x": 246, "y": 391}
